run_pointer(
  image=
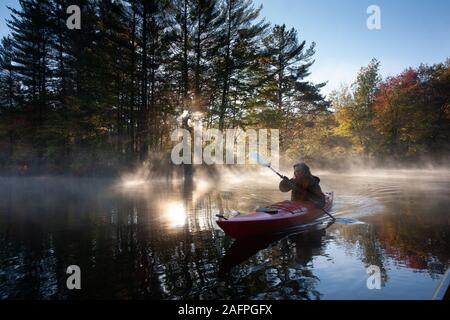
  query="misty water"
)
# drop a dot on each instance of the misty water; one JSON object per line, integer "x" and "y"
{"x": 138, "y": 239}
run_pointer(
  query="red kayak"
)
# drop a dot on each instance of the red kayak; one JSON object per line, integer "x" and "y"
{"x": 277, "y": 217}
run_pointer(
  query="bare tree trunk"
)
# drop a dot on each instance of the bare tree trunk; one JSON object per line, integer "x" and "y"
{"x": 152, "y": 113}
{"x": 225, "y": 89}
{"x": 185, "y": 55}
{"x": 143, "y": 123}
{"x": 133, "y": 80}
{"x": 187, "y": 168}
{"x": 198, "y": 57}
{"x": 119, "y": 119}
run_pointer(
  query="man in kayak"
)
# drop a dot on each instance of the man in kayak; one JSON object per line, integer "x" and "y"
{"x": 304, "y": 186}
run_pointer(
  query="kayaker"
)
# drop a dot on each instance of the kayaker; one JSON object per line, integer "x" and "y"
{"x": 304, "y": 186}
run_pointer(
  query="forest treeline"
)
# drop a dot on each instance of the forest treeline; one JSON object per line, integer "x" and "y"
{"x": 107, "y": 96}
{"x": 397, "y": 121}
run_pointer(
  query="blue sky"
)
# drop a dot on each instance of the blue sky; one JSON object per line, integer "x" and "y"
{"x": 5, "y": 14}
{"x": 412, "y": 32}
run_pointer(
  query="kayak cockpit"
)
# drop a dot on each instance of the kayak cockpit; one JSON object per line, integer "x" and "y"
{"x": 267, "y": 210}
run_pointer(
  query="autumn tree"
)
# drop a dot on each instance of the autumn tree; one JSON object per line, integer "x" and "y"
{"x": 396, "y": 113}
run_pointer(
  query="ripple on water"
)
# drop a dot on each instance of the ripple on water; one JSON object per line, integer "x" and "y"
{"x": 356, "y": 206}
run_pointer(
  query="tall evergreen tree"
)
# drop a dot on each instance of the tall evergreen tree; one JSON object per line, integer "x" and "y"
{"x": 9, "y": 85}
{"x": 206, "y": 20}
{"x": 288, "y": 99}
{"x": 289, "y": 63}
{"x": 30, "y": 29}
{"x": 9, "y": 100}
{"x": 240, "y": 26}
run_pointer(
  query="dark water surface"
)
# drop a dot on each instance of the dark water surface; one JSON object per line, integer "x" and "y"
{"x": 152, "y": 240}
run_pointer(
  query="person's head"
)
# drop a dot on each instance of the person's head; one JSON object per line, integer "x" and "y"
{"x": 301, "y": 170}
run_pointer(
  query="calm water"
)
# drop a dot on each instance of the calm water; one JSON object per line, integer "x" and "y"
{"x": 159, "y": 241}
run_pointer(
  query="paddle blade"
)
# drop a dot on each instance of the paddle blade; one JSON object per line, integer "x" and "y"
{"x": 260, "y": 159}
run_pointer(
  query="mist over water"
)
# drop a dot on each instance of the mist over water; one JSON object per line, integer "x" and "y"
{"x": 151, "y": 236}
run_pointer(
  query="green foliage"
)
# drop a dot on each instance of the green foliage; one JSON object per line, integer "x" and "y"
{"x": 354, "y": 109}
{"x": 105, "y": 96}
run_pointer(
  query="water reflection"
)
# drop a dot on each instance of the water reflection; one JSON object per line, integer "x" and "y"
{"x": 306, "y": 239}
{"x": 161, "y": 241}
{"x": 175, "y": 213}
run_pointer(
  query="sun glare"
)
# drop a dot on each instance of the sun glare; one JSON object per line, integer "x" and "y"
{"x": 175, "y": 214}
{"x": 132, "y": 183}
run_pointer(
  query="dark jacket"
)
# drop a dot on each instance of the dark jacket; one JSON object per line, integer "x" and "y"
{"x": 306, "y": 190}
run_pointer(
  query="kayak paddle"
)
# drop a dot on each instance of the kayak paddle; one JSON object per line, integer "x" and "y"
{"x": 263, "y": 162}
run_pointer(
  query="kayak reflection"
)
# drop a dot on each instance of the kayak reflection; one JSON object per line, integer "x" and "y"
{"x": 307, "y": 238}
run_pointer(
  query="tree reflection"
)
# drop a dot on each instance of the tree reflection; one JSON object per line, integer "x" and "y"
{"x": 128, "y": 248}
{"x": 290, "y": 281}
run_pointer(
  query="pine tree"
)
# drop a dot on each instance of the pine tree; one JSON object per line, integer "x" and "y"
{"x": 31, "y": 32}
{"x": 9, "y": 100}
{"x": 288, "y": 67}
{"x": 154, "y": 46}
{"x": 9, "y": 86}
{"x": 288, "y": 98}
{"x": 239, "y": 27}
{"x": 206, "y": 20}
